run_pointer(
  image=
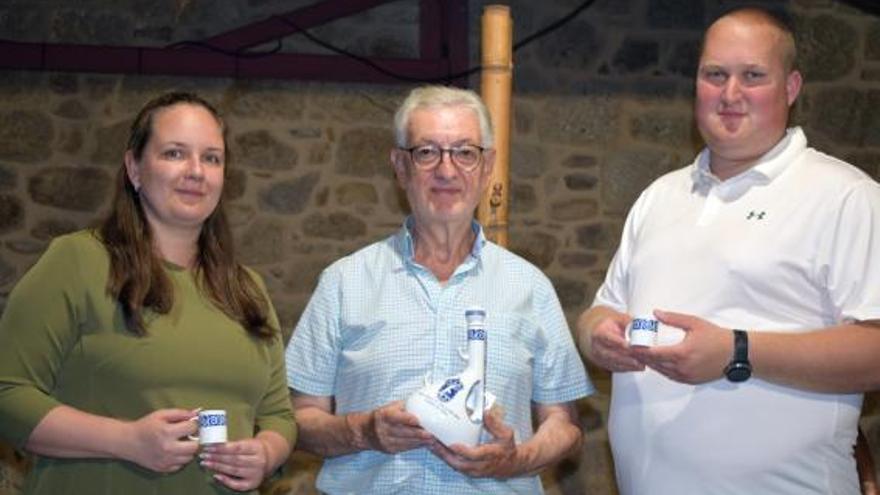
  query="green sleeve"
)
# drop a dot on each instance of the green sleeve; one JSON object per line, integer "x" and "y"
{"x": 38, "y": 328}
{"x": 274, "y": 411}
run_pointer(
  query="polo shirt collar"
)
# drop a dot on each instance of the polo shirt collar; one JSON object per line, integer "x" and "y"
{"x": 768, "y": 167}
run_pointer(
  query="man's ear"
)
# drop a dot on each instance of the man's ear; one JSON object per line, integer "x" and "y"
{"x": 487, "y": 168}
{"x": 398, "y": 162}
{"x": 489, "y": 161}
{"x": 793, "y": 86}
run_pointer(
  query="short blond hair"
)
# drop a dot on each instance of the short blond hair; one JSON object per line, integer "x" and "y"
{"x": 763, "y": 16}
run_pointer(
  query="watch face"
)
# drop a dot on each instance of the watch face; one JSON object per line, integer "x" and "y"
{"x": 738, "y": 372}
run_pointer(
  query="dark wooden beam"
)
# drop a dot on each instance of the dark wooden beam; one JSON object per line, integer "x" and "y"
{"x": 443, "y": 51}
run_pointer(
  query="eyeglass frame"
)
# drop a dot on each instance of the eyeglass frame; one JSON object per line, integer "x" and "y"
{"x": 448, "y": 151}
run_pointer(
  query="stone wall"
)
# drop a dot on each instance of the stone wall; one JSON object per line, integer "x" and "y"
{"x": 602, "y": 107}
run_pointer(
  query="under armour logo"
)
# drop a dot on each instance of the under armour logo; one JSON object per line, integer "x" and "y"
{"x": 757, "y": 215}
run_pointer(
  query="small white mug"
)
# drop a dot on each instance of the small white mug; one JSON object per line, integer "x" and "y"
{"x": 643, "y": 332}
{"x": 212, "y": 427}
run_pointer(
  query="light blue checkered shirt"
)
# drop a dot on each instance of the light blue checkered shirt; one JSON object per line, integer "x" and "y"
{"x": 378, "y": 323}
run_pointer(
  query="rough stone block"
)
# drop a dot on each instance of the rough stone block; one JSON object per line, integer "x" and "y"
{"x": 840, "y": 113}
{"x": 579, "y": 121}
{"x": 25, "y": 246}
{"x": 71, "y": 188}
{"x": 25, "y": 136}
{"x": 260, "y": 150}
{"x": 523, "y": 117}
{"x": 577, "y": 260}
{"x": 70, "y": 139}
{"x": 71, "y": 109}
{"x": 660, "y": 127}
{"x": 577, "y": 209}
{"x": 580, "y": 182}
{"x": 364, "y": 152}
{"x": 48, "y": 229}
{"x": 527, "y": 161}
{"x": 683, "y": 14}
{"x": 826, "y": 47}
{"x": 262, "y": 242}
{"x": 63, "y": 83}
{"x": 346, "y": 106}
{"x": 289, "y": 197}
{"x": 8, "y": 177}
{"x": 109, "y": 142}
{"x": 395, "y": 200}
{"x": 267, "y": 101}
{"x": 627, "y": 172}
{"x": 153, "y": 33}
{"x": 598, "y": 236}
{"x": 11, "y": 213}
{"x": 537, "y": 247}
{"x": 684, "y": 59}
{"x": 872, "y": 41}
{"x": 338, "y": 226}
{"x": 522, "y": 198}
{"x": 24, "y": 22}
{"x": 635, "y": 55}
{"x": 93, "y": 26}
{"x": 579, "y": 161}
{"x": 573, "y": 46}
{"x": 356, "y": 193}
{"x": 871, "y": 126}
{"x": 302, "y": 275}
{"x": 572, "y": 293}
{"x": 7, "y": 272}
{"x": 235, "y": 183}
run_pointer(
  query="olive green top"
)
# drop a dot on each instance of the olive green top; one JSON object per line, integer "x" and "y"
{"x": 63, "y": 341}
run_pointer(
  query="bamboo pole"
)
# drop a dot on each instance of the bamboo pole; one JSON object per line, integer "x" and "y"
{"x": 496, "y": 78}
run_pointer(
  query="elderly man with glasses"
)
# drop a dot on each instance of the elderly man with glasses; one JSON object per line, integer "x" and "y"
{"x": 388, "y": 316}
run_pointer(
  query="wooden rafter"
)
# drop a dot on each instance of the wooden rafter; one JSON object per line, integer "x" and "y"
{"x": 442, "y": 52}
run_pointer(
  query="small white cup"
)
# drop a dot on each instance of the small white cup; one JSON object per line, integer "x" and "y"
{"x": 643, "y": 332}
{"x": 212, "y": 427}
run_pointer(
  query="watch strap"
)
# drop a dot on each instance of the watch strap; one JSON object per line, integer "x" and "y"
{"x": 740, "y": 346}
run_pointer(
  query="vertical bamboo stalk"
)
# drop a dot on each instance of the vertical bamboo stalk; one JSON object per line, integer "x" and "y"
{"x": 496, "y": 77}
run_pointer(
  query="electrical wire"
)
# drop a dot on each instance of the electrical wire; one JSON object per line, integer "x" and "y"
{"x": 378, "y": 68}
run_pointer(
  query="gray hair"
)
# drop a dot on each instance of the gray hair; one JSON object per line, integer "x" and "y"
{"x": 442, "y": 96}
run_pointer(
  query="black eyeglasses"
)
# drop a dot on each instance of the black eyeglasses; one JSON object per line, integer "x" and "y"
{"x": 467, "y": 157}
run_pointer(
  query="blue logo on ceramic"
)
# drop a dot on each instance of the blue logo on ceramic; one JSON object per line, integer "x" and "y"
{"x": 449, "y": 389}
{"x": 206, "y": 420}
{"x": 644, "y": 324}
{"x": 476, "y": 334}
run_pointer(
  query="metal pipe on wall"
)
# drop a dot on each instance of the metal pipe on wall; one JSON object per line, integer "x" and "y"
{"x": 495, "y": 87}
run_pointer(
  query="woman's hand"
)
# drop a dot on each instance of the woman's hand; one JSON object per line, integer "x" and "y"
{"x": 159, "y": 441}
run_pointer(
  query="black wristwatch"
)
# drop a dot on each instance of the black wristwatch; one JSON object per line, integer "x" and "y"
{"x": 739, "y": 369}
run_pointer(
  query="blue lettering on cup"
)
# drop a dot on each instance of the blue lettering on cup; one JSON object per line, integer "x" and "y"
{"x": 207, "y": 420}
{"x": 644, "y": 324}
{"x": 476, "y": 334}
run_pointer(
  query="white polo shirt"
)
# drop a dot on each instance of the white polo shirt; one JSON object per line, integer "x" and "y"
{"x": 791, "y": 245}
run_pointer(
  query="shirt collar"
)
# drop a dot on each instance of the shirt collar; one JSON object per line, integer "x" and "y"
{"x": 767, "y": 168}
{"x": 406, "y": 244}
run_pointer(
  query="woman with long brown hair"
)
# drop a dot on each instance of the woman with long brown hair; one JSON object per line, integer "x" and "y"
{"x": 118, "y": 336}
